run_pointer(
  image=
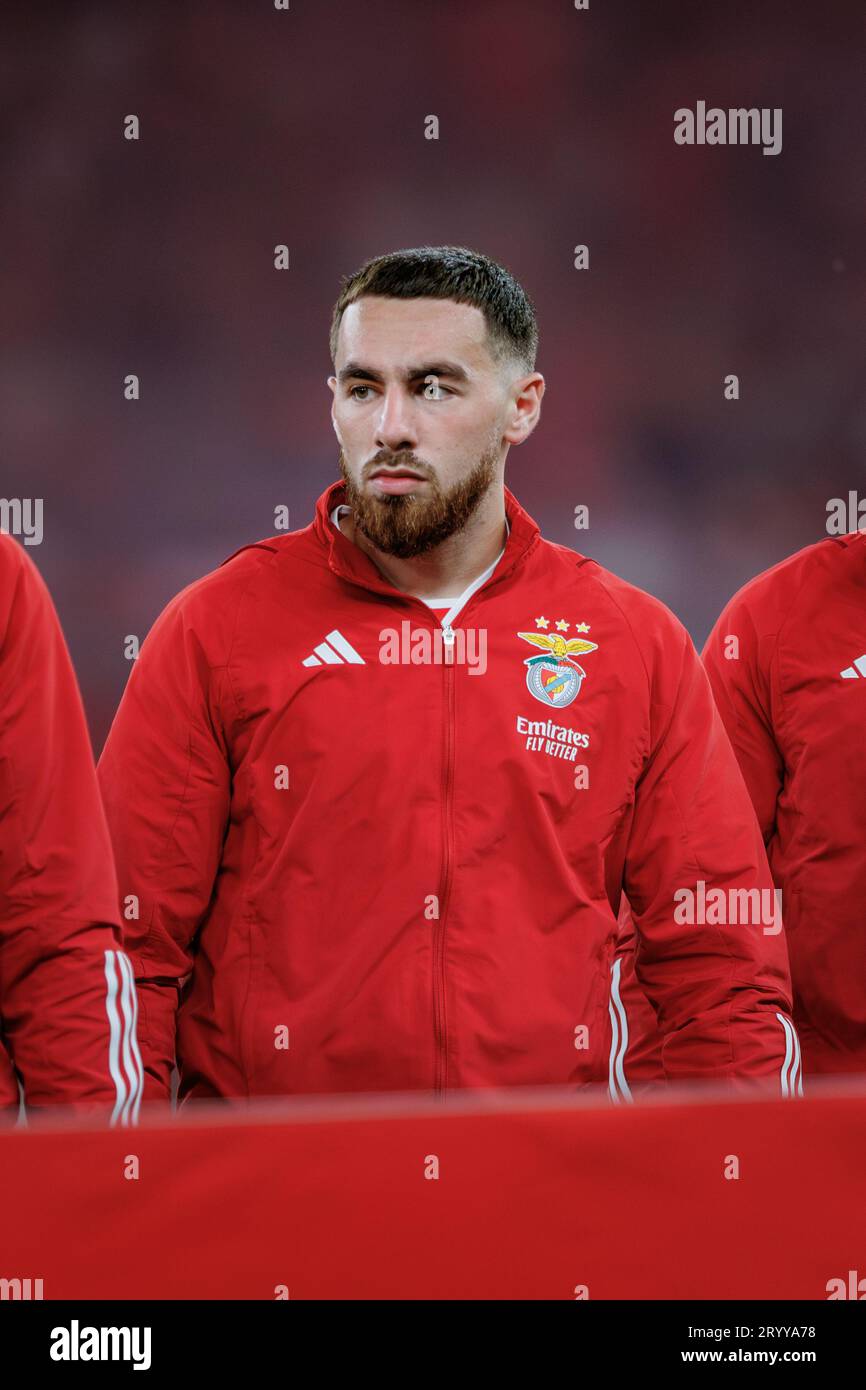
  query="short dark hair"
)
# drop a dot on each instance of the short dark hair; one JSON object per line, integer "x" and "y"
{"x": 450, "y": 272}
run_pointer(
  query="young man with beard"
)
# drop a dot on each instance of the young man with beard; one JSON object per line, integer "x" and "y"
{"x": 345, "y": 872}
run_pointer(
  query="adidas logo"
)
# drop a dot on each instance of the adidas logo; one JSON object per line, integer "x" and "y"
{"x": 851, "y": 673}
{"x": 336, "y": 651}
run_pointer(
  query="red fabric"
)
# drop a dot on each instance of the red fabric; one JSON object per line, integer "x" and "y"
{"x": 432, "y": 901}
{"x": 531, "y": 1201}
{"x": 798, "y": 728}
{"x": 642, "y": 1064}
{"x": 58, "y": 891}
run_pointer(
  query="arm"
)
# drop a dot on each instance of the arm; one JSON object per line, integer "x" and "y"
{"x": 637, "y": 1065}
{"x": 740, "y": 684}
{"x": 165, "y": 782}
{"x": 67, "y": 999}
{"x": 721, "y": 993}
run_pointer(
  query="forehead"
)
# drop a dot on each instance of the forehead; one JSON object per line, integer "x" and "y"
{"x": 383, "y": 332}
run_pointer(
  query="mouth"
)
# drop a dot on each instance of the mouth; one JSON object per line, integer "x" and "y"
{"x": 396, "y": 480}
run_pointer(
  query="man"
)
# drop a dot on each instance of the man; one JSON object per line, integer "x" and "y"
{"x": 67, "y": 997}
{"x": 787, "y": 663}
{"x": 374, "y": 813}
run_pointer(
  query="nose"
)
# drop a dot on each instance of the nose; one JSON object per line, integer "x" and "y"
{"x": 395, "y": 428}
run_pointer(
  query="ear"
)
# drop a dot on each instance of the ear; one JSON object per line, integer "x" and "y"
{"x": 525, "y": 407}
{"x": 332, "y": 382}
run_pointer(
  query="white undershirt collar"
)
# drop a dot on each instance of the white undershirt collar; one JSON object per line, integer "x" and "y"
{"x": 453, "y": 605}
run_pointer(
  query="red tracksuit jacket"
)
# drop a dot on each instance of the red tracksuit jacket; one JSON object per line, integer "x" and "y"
{"x": 794, "y": 704}
{"x": 67, "y": 998}
{"x": 358, "y": 865}
{"x": 787, "y": 663}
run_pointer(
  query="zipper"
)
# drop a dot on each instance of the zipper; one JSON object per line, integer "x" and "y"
{"x": 440, "y": 1020}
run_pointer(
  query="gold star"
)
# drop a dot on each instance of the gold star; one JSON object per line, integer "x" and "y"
{"x": 542, "y": 622}
{"x": 562, "y": 625}
{"x": 581, "y": 627}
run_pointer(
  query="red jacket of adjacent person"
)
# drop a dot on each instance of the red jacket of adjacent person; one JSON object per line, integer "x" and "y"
{"x": 787, "y": 663}
{"x": 362, "y": 851}
{"x": 67, "y": 997}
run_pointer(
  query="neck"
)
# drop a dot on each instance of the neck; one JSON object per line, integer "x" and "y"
{"x": 447, "y": 569}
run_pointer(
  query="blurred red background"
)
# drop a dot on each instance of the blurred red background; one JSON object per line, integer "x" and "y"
{"x": 306, "y": 127}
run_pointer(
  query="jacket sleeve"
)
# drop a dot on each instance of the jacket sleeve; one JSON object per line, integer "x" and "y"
{"x": 165, "y": 782}
{"x": 738, "y": 669}
{"x": 67, "y": 999}
{"x": 720, "y": 988}
{"x": 638, "y": 1064}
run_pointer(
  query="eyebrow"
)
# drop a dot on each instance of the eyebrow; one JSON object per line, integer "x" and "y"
{"x": 452, "y": 370}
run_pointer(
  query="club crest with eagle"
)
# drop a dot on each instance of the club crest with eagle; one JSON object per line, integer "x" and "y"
{"x": 555, "y": 678}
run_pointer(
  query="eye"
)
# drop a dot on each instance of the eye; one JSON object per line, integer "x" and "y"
{"x": 353, "y": 389}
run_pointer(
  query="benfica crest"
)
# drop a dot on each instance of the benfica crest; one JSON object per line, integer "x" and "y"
{"x": 554, "y": 678}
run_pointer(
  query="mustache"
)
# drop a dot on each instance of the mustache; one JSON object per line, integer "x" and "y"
{"x": 395, "y": 462}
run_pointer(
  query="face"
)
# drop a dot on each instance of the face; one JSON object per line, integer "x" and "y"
{"x": 424, "y": 415}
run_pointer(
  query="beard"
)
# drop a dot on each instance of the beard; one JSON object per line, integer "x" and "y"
{"x": 405, "y": 525}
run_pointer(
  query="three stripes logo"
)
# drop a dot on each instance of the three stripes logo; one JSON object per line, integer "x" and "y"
{"x": 852, "y": 673}
{"x": 791, "y": 1075}
{"x": 334, "y": 651}
{"x": 617, "y": 1084}
{"x": 124, "y": 1058}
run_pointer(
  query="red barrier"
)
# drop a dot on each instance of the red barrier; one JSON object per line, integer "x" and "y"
{"x": 537, "y": 1195}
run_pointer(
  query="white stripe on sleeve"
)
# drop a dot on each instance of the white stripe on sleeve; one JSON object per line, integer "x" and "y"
{"x": 791, "y": 1075}
{"x": 619, "y": 1037}
{"x": 131, "y": 1054}
{"x": 114, "y": 1036}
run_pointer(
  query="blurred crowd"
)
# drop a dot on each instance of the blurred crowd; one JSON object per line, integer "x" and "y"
{"x": 306, "y": 127}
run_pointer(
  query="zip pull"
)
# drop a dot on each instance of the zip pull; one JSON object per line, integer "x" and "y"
{"x": 448, "y": 637}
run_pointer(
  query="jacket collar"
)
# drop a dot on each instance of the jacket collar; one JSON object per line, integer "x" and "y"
{"x": 350, "y": 562}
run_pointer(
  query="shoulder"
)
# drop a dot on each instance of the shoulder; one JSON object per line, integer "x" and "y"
{"x": 208, "y": 609}
{"x": 16, "y": 566}
{"x": 618, "y": 602}
{"x": 22, "y": 589}
{"x": 651, "y": 644}
{"x": 777, "y": 594}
